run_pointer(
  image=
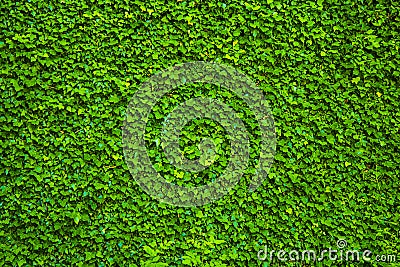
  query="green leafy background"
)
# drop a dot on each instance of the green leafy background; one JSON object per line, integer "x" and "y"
{"x": 329, "y": 69}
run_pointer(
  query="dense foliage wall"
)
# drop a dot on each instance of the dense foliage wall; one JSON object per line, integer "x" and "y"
{"x": 329, "y": 69}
